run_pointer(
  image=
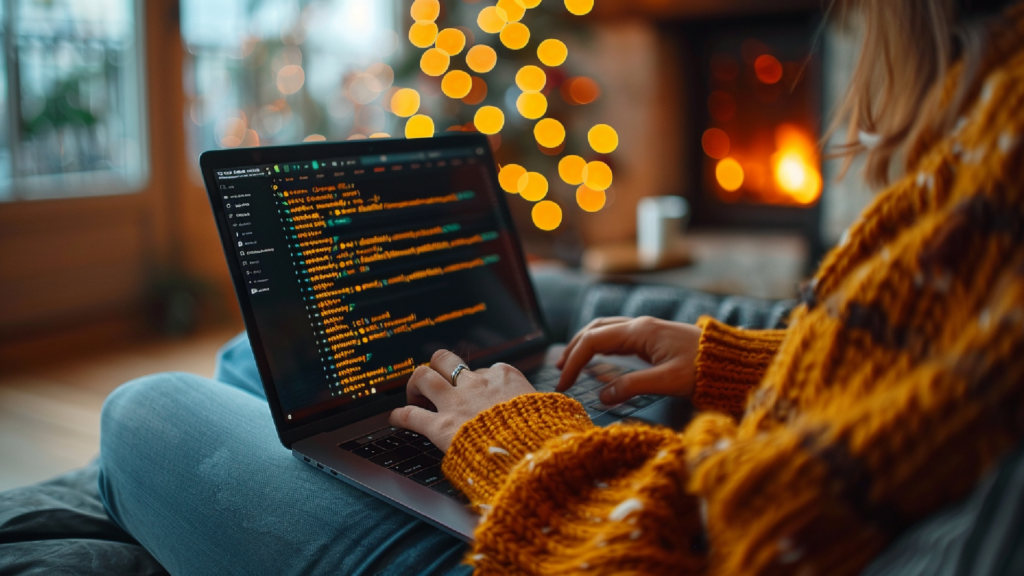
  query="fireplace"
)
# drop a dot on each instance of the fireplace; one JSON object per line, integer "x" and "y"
{"x": 754, "y": 90}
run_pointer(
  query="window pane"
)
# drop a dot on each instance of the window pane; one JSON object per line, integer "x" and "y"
{"x": 78, "y": 85}
{"x": 279, "y": 71}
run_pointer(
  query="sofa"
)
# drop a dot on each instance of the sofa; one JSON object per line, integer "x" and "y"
{"x": 60, "y": 526}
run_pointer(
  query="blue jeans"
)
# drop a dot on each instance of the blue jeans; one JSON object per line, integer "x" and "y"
{"x": 193, "y": 469}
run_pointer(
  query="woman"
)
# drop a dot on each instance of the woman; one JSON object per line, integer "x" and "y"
{"x": 897, "y": 385}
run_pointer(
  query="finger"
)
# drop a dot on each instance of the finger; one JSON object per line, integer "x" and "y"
{"x": 607, "y": 339}
{"x": 595, "y": 323}
{"x": 426, "y": 388}
{"x": 416, "y": 419}
{"x": 669, "y": 378}
{"x": 444, "y": 363}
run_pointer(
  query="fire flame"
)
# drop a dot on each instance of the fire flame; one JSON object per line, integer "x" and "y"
{"x": 795, "y": 165}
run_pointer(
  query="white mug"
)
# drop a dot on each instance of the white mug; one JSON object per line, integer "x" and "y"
{"x": 660, "y": 221}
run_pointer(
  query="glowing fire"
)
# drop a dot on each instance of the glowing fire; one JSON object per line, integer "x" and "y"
{"x": 795, "y": 165}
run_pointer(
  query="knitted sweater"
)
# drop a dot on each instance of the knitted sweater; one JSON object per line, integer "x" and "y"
{"x": 898, "y": 383}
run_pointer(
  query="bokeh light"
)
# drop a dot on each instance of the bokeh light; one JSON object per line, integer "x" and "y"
{"x": 768, "y": 69}
{"x": 715, "y": 143}
{"x": 579, "y": 90}
{"x": 549, "y": 132}
{"x": 425, "y": 10}
{"x": 590, "y": 200}
{"x": 532, "y": 105}
{"x": 451, "y": 41}
{"x": 353, "y": 136}
{"x": 570, "y": 169}
{"x": 405, "y": 102}
{"x": 290, "y": 79}
{"x": 419, "y": 126}
{"x": 514, "y": 9}
{"x": 546, "y": 215}
{"x": 489, "y": 119}
{"x": 481, "y": 58}
{"x": 422, "y": 34}
{"x": 456, "y": 84}
{"x": 729, "y": 174}
{"x": 315, "y": 138}
{"x": 380, "y": 135}
{"x": 795, "y": 164}
{"x": 722, "y": 105}
{"x": 531, "y": 3}
{"x": 491, "y": 19}
{"x": 477, "y": 92}
{"x": 530, "y": 78}
{"x": 552, "y": 151}
{"x": 508, "y": 177}
{"x": 515, "y": 35}
{"x": 552, "y": 52}
{"x": 579, "y": 7}
{"x": 532, "y": 186}
{"x": 434, "y": 62}
{"x": 597, "y": 175}
{"x": 603, "y": 139}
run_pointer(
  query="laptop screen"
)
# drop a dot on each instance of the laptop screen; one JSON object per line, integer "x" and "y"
{"x": 358, "y": 268}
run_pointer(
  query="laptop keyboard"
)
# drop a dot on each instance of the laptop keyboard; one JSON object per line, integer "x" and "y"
{"x": 410, "y": 454}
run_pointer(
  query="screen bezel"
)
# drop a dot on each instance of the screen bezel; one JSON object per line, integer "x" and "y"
{"x": 214, "y": 160}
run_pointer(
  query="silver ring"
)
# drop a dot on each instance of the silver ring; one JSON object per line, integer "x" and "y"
{"x": 455, "y": 373}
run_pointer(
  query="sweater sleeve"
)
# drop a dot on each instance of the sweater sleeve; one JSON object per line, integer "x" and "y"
{"x": 558, "y": 495}
{"x": 730, "y": 363}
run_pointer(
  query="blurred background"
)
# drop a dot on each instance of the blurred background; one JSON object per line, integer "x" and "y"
{"x": 110, "y": 265}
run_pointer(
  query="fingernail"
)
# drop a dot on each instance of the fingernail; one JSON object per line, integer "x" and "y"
{"x": 608, "y": 394}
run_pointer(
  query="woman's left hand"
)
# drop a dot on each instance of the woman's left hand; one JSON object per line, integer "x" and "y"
{"x": 437, "y": 409}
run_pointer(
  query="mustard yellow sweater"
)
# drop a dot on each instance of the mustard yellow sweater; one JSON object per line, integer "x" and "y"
{"x": 898, "y": 384}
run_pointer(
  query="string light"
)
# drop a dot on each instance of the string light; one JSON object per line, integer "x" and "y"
{"x": 570, "y": 169}
{"x": 481, "y": 58}
{"x": 603, "y": 139}
{"x": 532, "y": 186}
{"x": 456, "y": 84}
{"x": 451, "y": 41}
{"x": 597, "y": 175}
{"x": 477, "y": 92}
{"x": 489, "y": 119}
{"x": 549, "y": 133}
{"x": 434, "y": 62}
{"x": 422, "y": 34}
{"x": 531, "y": 105}
{"x": 546, "y": 215}
{"x": 492, "y": 19}
{"x": 552, "y": 52}
{"x": 515, "y": 35}
{"x": 514, "y": 9}
{"x": 405, "y": 102}
{"x": 590, "y": 200}
{"x": 579, "y": 7}
{"x": 508, "y": 177}
{"x": 530, "y": 78}
{"x": 419, "y": 126}
{"x": 729, "y": 174}
{"x": 380, "y": 135}
{"x": 425, "y": 10}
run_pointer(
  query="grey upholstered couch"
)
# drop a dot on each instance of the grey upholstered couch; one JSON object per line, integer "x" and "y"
{"x": 60, "y": 526}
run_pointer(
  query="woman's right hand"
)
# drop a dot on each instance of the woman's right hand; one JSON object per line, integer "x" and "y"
{"x": 670, "y": 346}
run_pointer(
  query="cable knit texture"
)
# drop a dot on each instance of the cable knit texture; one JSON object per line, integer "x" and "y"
{"x": 898, "y": 384}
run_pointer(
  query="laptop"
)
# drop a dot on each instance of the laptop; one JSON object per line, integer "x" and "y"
{"x": 353, "y": 262}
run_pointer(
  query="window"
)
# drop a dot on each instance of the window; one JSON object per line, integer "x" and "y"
{"x": 282, "y": 71}
{"x": 73, "y": 122}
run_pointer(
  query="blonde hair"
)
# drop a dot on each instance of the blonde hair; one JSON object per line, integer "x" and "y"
{"x": 895, "y": 98}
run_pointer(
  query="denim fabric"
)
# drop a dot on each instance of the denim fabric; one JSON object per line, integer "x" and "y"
{"x": 193, "y": 469}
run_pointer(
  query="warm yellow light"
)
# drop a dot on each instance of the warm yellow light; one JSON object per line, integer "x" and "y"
{"x": 405, "y": 102}
{"x": 531, "y": 105}
{"x": 477, "y": 93}
{"x": 434, "y": 62}
{"x": 552, "y": 52}
{"x": 481, "y": 58}
{"x": 419, "y": 126}
{"x": 380, "y": 135}
{"x": 590, "y": 200}
{"x": 570, "y": 169}
{"x": 492, "y": 19}
{"x": 489, "y": 119}
{"x": 768, "y": 69}
{"x": 579, "y": 7}
{"x": 451, "y": 41}
{"x": 603, "y": 139}
{"x": 549, "y": 133}
{"x": 425, "y": 10}
{"x": 508, "y": 177}
{"x": 532, "y": 186}
{"x": 422, "y": 34}
{"x": 315, "y": 138}
{"x": 794, "y": 164}
{"x": 546, "y": 215}
{"x": 531, "y": 3}
{"x": 515, "y": 35}
{"x": 530, "y": 78}
{"x": 729, "y": 174}
{"x": 514, "y": 9}
{"x": 579, "y": 90}
{"x": 597, "y": 175}
{"x": 715, "y": 143}
{"x": 456, "y": 84}
{"x": 290, "y": 79}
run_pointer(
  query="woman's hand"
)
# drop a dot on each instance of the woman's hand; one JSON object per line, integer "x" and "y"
{"x": 437, "y": 409}
{"x": 670, "y": 346}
